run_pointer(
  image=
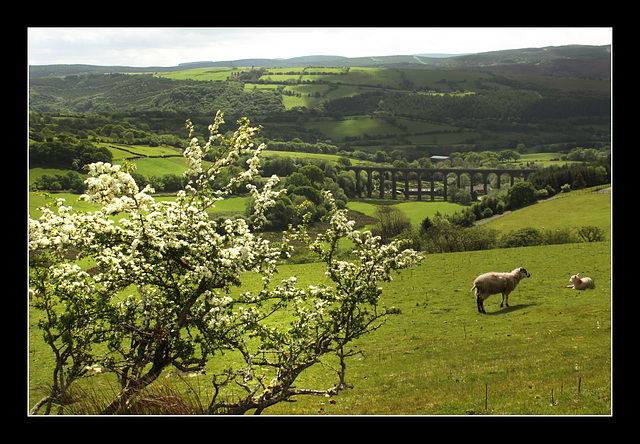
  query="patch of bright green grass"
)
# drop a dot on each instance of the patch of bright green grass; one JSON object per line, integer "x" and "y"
{"x": 440, "y": 356}
{"x": 414, "y": 210}
{"x": 573, "y": 210}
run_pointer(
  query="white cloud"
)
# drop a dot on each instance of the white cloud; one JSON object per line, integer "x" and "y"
{"x": 171, "y": 46}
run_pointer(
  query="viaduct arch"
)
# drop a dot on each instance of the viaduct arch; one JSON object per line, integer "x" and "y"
{"x": 430, "y": 175}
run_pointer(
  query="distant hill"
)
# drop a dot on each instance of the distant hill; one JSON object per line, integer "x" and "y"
{"x": 422, "y": 105}
{"x": 564, "y": 61}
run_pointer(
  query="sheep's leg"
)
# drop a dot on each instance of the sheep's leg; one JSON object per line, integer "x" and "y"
{"x": 480, "y": 301}
{"x": 505, "y": 299}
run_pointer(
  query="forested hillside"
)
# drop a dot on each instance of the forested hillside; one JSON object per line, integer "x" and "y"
{"x": 490, "y": 101}
{"x": 95, "y": 93}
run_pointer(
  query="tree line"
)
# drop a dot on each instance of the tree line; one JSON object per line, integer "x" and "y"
{"x": 522, "y": 105}
{"x": 66, "y": 155}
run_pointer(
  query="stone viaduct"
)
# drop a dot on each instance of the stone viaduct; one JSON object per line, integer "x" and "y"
{"x": 429, "y": 173}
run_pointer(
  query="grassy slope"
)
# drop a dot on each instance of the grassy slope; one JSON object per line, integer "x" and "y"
{"x": 414, "y": 210}
{"x": 573, "y": 210}
{"x": 438, "y": 354}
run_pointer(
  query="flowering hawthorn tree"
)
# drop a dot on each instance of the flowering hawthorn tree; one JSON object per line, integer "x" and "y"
{"x": 160, "y": 298}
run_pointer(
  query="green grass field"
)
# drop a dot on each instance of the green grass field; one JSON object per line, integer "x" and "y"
{"x": 543, "y": 159}
{"x": 548, "y": 353}
{"x": 121, "y": 151}
{"x": 354, "y": 127}
{"x": 232, "y": 205}
{"x": 439, "y": 356}
{"x": 414, "y": 210}
{"x": 575, "y": 209}
{"x": 331, "y": 157}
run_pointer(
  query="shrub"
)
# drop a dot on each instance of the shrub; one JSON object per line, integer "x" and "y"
{"x": 542, "y": 194}
{"x": 479, "y": 238}
{"x": 524, "y": 237}
{"x": 391, "y": 222}
{"x": 460, "y": 196}
{"x": 465, "y": 218}
{"x": 70, "y": 181}
{"x": 166, "y": 270}
{"x": 590, "y": 233}
{"x": 444, "y": 237}
{"x": 426, "y": 224}
{"x": 550, "y": 190}
{"x": 519, "y": 195}
{"x": 559, "y": 236}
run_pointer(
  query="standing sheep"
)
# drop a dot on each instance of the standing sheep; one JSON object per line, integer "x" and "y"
{"x": 578, "y": 283}
{"x": 492, "y": 283}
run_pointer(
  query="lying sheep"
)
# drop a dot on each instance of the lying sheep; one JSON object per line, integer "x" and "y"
{"x": 492, "y": 283}
{"x": 578, "y": 283}
{"x": 96, "y": 369}
{"x": 186, "y": 374}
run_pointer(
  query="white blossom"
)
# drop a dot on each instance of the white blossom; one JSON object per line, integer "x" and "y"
{"x": 183, "y": 266}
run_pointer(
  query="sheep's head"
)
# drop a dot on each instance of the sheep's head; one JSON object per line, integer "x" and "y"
{"x": 524, "y": 273}
{"x": 575, "y": 278}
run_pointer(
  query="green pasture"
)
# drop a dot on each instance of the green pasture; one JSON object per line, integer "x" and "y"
{"x": 308, "y": 93}
{"x": 419, "y": 126}
{"x": 248, "y": 87}
{"x": 121, "y": 151}
{"x": 419, "y": 132}
{"x": 441, "y": 80}
{"x": 575, "y": 209}
{"x": 549, "y": 353}
{"x": 296, "y": 155}
{"x": 354, "y": 127}
{"x": 148, "y": 166}
{"x": 542, "y": 159}
{"x": 377, "y": 77}
{"x": 439, "y": 356}
{"x": 414, "y": 210}
{"x": 229, "y": 206}
{"x": 219, "y": 74}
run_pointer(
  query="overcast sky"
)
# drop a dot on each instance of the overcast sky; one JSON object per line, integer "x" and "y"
{"x": 171, "y": 46}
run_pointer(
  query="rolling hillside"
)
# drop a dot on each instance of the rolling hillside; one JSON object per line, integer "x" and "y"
{"x": 572, "y": 210}
{"x": 592, "y": 60}
{"x": 549, "y": 353}
{"x": 421, "y": 105}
